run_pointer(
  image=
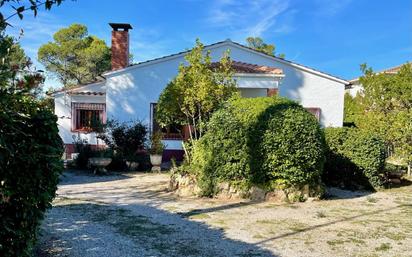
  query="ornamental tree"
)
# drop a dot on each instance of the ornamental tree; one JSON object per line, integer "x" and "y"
{"x": 196, "y": 92}
{"x": 386, "y": 104}
{"x": 74, "y": 56}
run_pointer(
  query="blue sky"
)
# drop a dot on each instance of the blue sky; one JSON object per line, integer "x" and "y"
{"x": 334, "y": 36}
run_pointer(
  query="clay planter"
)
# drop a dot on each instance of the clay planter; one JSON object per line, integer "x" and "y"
{"x": 132, "y": 165}
{"x": 99, "y": 164}
{"x": 156, "y": 161}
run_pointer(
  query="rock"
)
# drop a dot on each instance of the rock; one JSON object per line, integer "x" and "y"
{"x": 156, "y": 169}
{"x": 223, "y": 186}
{"x": 306, "y": 190}
{"x": 276, "y": 196}
{"x": 257, "y": 194}
{"x": 311, "y": 199}
{"x": 396, "y": 181}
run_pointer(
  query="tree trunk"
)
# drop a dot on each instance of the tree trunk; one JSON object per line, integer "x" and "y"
{"x": 409, "y": 169}
{"x": 194, "y": 127}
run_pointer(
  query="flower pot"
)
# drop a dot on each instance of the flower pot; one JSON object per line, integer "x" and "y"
{"x": 131, "y": 165}
{"x": 99, "y": 164}
{"x": 156, "y": 160}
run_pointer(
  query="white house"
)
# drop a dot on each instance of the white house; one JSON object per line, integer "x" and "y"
{"x": 129, "y": 92}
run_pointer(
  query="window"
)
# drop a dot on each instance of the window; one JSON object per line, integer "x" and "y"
{"x": 315, "y": 111}
{"x": 170, "y": 132}
{"x": 86, "y": 116}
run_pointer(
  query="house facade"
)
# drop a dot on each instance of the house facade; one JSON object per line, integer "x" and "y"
{"x": 130, "y": 92}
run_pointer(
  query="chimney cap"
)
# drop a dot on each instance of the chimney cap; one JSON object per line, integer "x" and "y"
{"x": 117, "y": 26}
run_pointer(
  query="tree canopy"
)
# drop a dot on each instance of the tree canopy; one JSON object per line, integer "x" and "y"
{"x": 74, "y": 56}
{"x": 197, "y": 91}
{"x": 258, "y": 44}
{"x": 19, "y": 7}
{"x": 16, "y": 71}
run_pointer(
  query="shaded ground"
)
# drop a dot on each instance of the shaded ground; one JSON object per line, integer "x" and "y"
{"x": 134, "y": 215}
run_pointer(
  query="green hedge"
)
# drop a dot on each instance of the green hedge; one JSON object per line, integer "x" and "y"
{"x": 355, "y": 158}
{"x": 30, "y": 163}
{"x": 268, "y": 141}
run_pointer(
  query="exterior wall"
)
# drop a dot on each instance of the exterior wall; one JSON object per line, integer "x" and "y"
{"x": 354, "y": 90}
{"x": 62, "y": 109}
{"x": 253, "y": 92}
{"x": 130, "y": 92}
{"x": 256, "y": 80}
{"x": 309, "y": 89}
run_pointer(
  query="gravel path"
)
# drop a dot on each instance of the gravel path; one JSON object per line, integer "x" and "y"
{"x": 134, "y": 215}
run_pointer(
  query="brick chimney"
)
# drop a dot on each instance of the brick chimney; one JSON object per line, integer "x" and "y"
{"x": 120, "y": 45}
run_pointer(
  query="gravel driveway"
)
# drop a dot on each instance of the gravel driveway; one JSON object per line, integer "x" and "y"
{"x": 134, "y": 215}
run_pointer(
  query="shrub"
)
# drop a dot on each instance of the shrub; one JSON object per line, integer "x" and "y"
{"x": 156, "y": 145}
{"x": 268, "y": 141}
{"x": 30, "y": 164}
{"x": 355, "y": 158}
{"x": 84, "y": 151}
{"x": 127, "y": 139}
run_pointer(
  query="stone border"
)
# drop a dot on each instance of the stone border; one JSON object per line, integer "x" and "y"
{"x": 186, "y": 185}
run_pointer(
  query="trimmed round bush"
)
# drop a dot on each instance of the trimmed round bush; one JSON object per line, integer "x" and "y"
{"x": 30, "y": 164}
{"x": 355, "y": 158}
{"x": 269, "y": 141}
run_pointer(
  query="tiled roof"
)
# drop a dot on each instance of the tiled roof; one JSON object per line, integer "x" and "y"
{"x": 392, "y": 70}
{"x": 85, "y": 93}
{"x": 242, "y": 67}
{"x": 99, "y": 80}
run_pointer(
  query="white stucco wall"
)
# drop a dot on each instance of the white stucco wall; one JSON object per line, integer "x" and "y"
{"x": 354, "y": 90}
{"x": 129, "y": 92}
{"x": 62, "y": 109}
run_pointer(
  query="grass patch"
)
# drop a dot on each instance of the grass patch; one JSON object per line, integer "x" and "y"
{"x": 320, "y": 214}
{"x": 396, "y": 236}
{"x": 220, "y": 223}
{"x": 297, "y": 226}
{"x": 335, "y": 242}
{"x": 171, "y": 208}
{"x": 383, "y": 247}
{"x": 258, "y": 236}
{"x": 265, "y": 221}
{"x": 371, "y": 199}
{"x": 357, "y": 241}
{"x": 200, "y": 216}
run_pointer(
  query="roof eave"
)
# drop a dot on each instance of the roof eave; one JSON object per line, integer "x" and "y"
{"x": 229, "y": 42}
{"x": 246, "y": 74}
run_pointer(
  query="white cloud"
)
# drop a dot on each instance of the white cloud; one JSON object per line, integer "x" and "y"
{"x": 251, "y": 18}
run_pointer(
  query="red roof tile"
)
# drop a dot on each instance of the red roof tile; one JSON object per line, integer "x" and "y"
{"x": 242, "y": 67}
{"x": 85, "y": 93}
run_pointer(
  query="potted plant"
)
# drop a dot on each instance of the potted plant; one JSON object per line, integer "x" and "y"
{"x": 155, "y": 149}
{"x": 100, "y": 162}
{"x": 127, "y": 141}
